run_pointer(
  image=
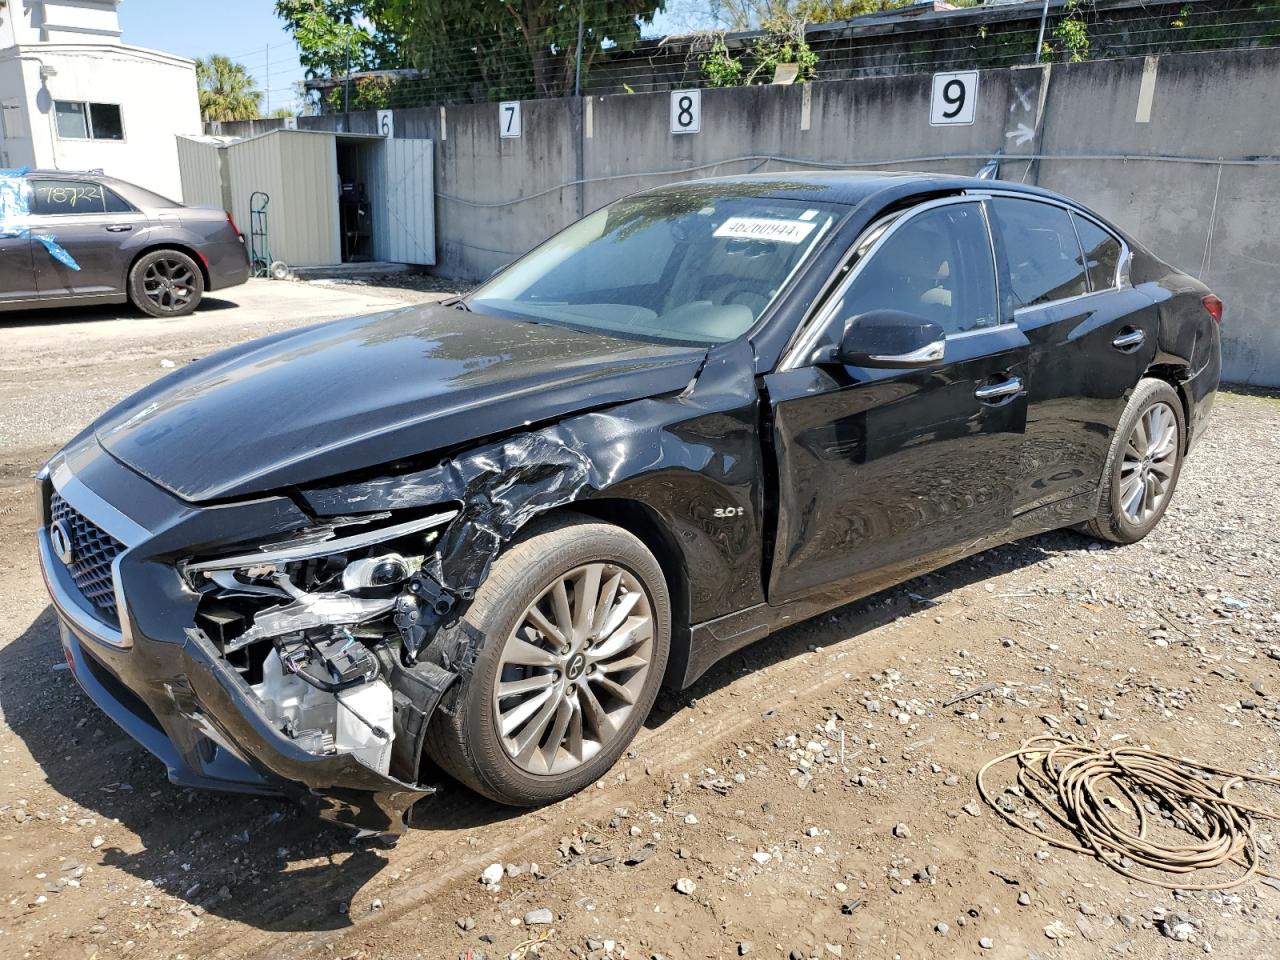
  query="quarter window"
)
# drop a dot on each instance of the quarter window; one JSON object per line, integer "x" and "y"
{"x": 77, "y": 120}
{"x": 937, "y": 265}
{"x": 1044, "y": 257}
{"x": 1102, "y": 253}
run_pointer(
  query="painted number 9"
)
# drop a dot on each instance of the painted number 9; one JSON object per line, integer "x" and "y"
{"x": 955, "y": 97}
{"x": 953, "y": 94}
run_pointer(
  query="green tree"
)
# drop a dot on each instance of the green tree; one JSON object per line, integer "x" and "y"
{"x": 498, "y": 48}
{"x": 756, "y": 14}
{"x": 227, "y": 91}
{"x": 335, "y": 36}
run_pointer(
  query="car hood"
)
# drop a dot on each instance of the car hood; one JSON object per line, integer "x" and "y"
{"x": 345, "y": 396}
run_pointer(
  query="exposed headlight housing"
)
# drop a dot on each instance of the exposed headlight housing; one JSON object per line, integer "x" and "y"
{"x": 322, "y": 578}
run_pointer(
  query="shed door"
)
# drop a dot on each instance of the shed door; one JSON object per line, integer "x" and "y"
{"x": 402, "y": 194}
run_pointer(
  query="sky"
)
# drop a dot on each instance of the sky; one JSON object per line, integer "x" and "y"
{"x": 248, "y": 31}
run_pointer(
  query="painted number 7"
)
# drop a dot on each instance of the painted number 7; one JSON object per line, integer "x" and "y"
{"x": 955, "y": 99}
{"x": 509, "y": 119}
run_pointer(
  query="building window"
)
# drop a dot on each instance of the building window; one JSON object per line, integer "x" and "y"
{"x": 88, "y": 121}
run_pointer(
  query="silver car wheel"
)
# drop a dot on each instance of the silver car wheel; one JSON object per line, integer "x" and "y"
{"x": 573, "y": 668}
{"x": 1150, "y": 456}
{"x": 169, "y": 284}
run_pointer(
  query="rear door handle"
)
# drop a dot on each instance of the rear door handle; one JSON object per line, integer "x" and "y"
{"x": 994, "y": 392}
{"x": 120, "y": 228}
{"x": 1129, "y": 341}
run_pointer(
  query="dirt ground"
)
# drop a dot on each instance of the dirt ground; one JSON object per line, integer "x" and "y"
{"x": 816, "y": 791}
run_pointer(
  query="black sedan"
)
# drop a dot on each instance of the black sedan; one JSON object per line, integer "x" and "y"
{"x": 81, "y": 239}
{"x": 487, "y": 531}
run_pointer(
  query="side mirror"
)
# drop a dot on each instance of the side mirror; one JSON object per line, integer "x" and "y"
{"x": 892, "y": 339}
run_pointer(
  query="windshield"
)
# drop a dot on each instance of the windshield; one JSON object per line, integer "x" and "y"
{"x": 698, "y": 265}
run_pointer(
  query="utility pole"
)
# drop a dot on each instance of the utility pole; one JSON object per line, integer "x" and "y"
{"x": 577, "y": 82}
{"x": 1044, "y": 16}
{"x": 267, "y": 79}
{"x": 346, "y": 89}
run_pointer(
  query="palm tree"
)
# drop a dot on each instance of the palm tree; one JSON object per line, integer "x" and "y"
{"x": 226, "y": 90}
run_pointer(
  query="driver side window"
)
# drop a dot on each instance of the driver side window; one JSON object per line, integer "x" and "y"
{"x": 938, "y": 266}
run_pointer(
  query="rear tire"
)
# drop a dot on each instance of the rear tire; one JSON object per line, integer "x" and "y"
{"x": 536, "y": 721}
{"x": 166, "y": 283}
{"x": 1143, "y": 465}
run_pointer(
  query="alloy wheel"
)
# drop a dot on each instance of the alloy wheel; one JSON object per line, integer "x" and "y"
{"x": 1150, "y": 456}
{"x": 572, "y": 670}
{"x": 169, "y": 284}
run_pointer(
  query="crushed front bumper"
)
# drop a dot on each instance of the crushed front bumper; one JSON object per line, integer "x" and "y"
{"x": 171, "y": 691}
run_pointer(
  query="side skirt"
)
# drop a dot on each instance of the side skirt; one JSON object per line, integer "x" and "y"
{"x": 713, "y": 640}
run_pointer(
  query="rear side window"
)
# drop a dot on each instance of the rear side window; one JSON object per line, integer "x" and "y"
{"x": 115, "y": 203}
{"x": 1102, "y": 253}
{"x": 938, "y": 266}
{"x": 61, "y": 197}
{"x": 1040, "y": 244}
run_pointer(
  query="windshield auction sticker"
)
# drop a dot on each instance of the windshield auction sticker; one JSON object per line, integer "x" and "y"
{"x": 760, "y": 228}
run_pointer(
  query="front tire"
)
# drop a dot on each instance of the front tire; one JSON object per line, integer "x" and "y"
{"x": 166, "y": 283}
{"x": 1143, "y": 465}
{"x": 574, "y": 629}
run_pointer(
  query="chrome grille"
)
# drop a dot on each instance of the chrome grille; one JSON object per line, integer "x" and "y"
{"x": 93, "y": 552}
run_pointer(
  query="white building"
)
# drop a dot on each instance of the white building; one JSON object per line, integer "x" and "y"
{"x": 74, "y": 97}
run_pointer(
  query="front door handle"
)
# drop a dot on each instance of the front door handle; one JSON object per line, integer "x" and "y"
{"x": 1129, "y": 341}
{"x": 995, "y": 392}
{"x": 120, "y": 228}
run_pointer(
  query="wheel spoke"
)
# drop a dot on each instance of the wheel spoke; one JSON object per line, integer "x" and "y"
{"x": 516, "y": 717}
{"x": 564, "y": 714}
{"x": 622, "y": 666}
{"x": 1140, "y": 436}
{"x": 529, "y": 739}
{"x": 607, "y": 597}
{"x": 528, "y": 654}
{"x": 544, "y": 626}
{"x": 618, "y": 614}
{"x": 614, "y": 689}
{"x": 585, "y": 597}
{"x": 595, "y": 713}
{"x": 634, "y": 631}
{"x": 529, "y": 684}
{"x": 560, "y": 604}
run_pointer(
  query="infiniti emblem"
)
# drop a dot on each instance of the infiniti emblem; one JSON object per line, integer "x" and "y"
{"x": 576, "y": 665}
{"x": 60, "y": 540}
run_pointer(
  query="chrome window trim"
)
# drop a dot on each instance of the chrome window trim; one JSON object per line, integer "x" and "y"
{"x": 106, "y": 517}
{"x": 1118, "y": 282}
{"x": 799, "y": 352}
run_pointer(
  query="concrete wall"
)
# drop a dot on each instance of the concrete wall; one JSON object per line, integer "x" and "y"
{"x": 497, "y": 198}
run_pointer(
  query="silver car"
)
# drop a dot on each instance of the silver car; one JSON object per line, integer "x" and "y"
{"x": 82, "y": 238}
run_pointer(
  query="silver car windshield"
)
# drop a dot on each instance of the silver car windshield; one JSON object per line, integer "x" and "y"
{"x": 695, "y": 265}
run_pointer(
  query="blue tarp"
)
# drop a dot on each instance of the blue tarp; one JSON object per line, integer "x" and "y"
{"x": 15, "y": 213}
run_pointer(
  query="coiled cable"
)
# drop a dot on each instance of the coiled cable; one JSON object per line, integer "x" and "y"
{"x": 1077, "y": 786}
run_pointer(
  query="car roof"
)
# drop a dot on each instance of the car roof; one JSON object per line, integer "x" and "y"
{"x": 850, "y": 187}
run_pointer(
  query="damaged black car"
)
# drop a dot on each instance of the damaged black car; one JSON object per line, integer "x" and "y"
{"x": 486, "y": 532}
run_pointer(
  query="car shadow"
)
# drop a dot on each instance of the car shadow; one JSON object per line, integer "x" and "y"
{"x": 863, "y": 616}
{"x": 270, "y": 863}
{"x": 44, "y": 316}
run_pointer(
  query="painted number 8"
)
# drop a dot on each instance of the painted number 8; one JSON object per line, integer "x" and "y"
{"x": 684, "y": 106}
{"x": 953, "y": 94}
